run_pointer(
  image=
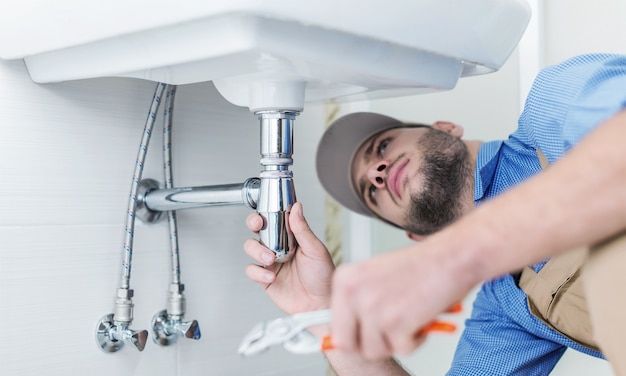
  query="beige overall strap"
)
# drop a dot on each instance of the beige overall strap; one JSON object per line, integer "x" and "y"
{"x": 555, "y": 294}
{"x": 604, "y": 280}
{"x": 542, "y": 286}
{"x": 528, "y": 280}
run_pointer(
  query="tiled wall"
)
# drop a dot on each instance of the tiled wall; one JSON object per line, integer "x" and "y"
{"x": 67, "y": 153}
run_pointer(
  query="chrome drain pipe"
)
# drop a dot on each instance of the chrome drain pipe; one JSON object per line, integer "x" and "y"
{"x": 159, "y": 200}
{"x": 277, "y": 192}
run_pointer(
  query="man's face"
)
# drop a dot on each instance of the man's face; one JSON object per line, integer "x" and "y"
{"x": 415, "y": 178}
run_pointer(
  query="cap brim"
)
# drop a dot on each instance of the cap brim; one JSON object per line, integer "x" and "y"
{"x": 336, "y": 149}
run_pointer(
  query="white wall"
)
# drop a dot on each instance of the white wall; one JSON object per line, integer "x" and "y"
{"x": 67, "y": 153}
{"x": 582, "y": 26}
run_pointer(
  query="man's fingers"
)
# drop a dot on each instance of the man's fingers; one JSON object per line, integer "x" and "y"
{"x": 302, "y": 232}
{"x": 262, "y": 276}
{"x": 373, "y": 344}
{"x": 407, "y": 344}
{"x": 258, "y": 252}
{"x": 254, "y": 222}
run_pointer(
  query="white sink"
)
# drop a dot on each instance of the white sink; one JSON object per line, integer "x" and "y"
{"x": 267, "y": 54}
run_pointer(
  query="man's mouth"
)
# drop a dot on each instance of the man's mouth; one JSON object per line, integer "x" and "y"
{"x": 395, "y": 179}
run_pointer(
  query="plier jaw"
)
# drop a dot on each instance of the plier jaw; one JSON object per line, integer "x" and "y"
{"x": 290, "y": 332}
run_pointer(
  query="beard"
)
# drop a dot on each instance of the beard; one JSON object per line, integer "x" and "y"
{"x": 447, "y": 171}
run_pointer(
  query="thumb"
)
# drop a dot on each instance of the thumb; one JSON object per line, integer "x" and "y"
{"x": 303, "y": 233}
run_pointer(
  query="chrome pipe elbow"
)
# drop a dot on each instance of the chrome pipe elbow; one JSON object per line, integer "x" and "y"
{"x": 276, "y": 197}
{"x": 113, "y": 330}
{"x": 168, "y": 324}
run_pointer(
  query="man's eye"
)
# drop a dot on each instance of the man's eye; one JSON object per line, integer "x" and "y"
{"x": 372, "y": 193}
{"x": 382, "y": 147}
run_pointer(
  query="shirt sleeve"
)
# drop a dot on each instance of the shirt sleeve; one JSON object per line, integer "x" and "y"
{"x": 570, "y": 99}
{"x": 494, "y": 344}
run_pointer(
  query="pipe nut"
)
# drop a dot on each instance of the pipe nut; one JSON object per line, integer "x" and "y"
{"x": 125, "y": 293}
{"x": 177, "y": 287}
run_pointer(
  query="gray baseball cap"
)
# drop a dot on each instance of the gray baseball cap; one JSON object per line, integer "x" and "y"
{"x": 338, "y": 147}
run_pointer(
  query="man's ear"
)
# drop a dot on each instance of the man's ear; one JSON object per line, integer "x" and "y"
{"x": 449, "y": 127}
{"x": 415, "y": 237}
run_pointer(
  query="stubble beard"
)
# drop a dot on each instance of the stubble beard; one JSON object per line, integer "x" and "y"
{"x": 447, "y": 172}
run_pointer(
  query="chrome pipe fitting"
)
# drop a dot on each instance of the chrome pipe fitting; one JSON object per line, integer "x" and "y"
{"x": 277, "y": 192}
{"x": 168, "y": 325}
{"x": 167, "y": 328}
{"x": 176, "y": 304}
{"x": 124, "y": 306}
{"x": 143, "y": 212}
{"x": 113, "y": 329}
{"x": 154, "y": 201}
{"x": 111, "y": 337}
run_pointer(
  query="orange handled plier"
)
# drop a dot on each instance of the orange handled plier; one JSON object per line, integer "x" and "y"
{"x": 291, "y": 332}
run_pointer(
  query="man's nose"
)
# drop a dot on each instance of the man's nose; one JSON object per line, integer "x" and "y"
{"x": 377, "y": 172}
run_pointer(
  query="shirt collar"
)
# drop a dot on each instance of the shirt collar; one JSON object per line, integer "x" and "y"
{"x": 486, "y": 163}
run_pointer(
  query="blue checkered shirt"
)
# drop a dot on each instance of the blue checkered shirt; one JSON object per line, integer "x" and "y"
{"x": 566, "y": 102}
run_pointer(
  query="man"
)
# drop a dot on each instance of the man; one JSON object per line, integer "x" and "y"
{"x": 417, "y": 179}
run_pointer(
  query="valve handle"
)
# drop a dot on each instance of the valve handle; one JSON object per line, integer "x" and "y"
{"x": 137, "y": 338}
{"x": 166, "y": 328}
{"x": 190, "y": 329}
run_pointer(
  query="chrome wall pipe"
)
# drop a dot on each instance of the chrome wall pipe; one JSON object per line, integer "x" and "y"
{"x": 153, "y": 201}
{"x": 245, "y": 193}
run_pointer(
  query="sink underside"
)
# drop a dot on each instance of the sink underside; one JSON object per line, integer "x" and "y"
{"x": 252, "y": 49}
